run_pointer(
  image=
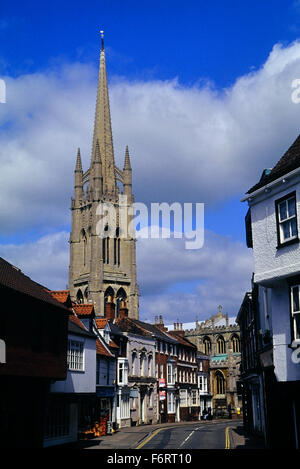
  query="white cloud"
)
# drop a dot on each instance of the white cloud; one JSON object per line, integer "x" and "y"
{"x": 174, "y": 282}
{"x": 45, "y": 261}
{"x": 180, "y": 283}
{"x": 189, "y": 143}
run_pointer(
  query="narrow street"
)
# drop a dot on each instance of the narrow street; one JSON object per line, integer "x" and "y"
{"x": 225, "y": 434}
{"x": 211, "y": 435}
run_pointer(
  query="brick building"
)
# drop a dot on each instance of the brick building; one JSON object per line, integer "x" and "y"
{"x": 34, "y": 328}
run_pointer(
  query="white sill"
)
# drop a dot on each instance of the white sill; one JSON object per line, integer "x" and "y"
{"x": 295, "y": 344}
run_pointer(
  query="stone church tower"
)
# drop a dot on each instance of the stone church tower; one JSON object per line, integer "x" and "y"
{"x": 102, "y": 268}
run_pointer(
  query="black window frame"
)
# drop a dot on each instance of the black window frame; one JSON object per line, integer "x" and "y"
{"x": 281, "y": 244}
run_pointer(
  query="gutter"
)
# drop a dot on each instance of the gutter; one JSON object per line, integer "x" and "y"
{"x": 271, "y": 184}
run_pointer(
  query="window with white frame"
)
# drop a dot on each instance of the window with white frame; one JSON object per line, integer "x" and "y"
{"x": 183, "y": 398}
{"x": 295, "y": 312}
{"x": 142, "y": 364}
{"x": 203, "y": 384}
{"x": 194, "y": 397}
{"x": 200, "y": 385}
{"x": 150, "y": 361}
{"x": 124, "y": 407}
{"x": 286, "y": 216}
{"x": 170, "y": 373}
{"x": 200, "y": 366}
{"x": 122, "y": 371}
{"x": 171, "y": 403}
{"x": 75, "y": 355}
{"x": 161, "y": 371}
{"x": 150, "y": 397}
{"x": 133, "y": 363}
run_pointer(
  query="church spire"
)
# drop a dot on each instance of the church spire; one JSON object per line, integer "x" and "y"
{"x": 102, "y": 128}
{"x": 127, "y": 164}
{"x": 78, "y": 161}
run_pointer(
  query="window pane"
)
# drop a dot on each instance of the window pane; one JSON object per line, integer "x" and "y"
{"x": 294, "y": 227}
{"x": 286, "y": 230}
{"x": 295, "y": 299}
{"x": 291, "y": 207}
{"x": 282, "y": 211}
{"x": 297, "y": 326}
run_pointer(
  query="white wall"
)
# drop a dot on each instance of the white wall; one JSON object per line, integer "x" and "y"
{"x": 80, "y": 381}
{"x": 271, "y": 263}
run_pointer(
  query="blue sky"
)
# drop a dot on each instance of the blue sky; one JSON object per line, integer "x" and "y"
{"x": 199, "y": 90}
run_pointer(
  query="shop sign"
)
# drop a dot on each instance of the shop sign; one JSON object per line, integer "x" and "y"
{"x": 134, "y": 393}
{"x": 162, "y": 383}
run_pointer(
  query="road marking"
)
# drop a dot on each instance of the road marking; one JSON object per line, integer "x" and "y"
{"x": 187, "y": 438}
{"x": 150, "y": 438}
{"x": 227, "y": 438}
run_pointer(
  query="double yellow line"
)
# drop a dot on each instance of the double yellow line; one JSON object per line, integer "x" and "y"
{"x": 227, "y": 438}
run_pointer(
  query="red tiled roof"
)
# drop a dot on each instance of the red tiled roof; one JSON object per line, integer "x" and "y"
{"x": 112, "y": 344}
{"x": 101, "y": 350}
{"x": 12, "y": 277}
{"x": 101, "y": 322}
{"x": 83, "y": 309}
{"x": 182, "y": 340}
{"x": 60, "y": 295}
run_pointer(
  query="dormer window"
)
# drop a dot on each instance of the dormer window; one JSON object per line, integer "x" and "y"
{"x": 286, "y": 216}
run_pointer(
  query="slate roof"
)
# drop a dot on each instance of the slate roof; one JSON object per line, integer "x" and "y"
{"x": 288, "y": 162}
{"x": 182, "y": 340}
{"x": 156, "y": 331}
{"x": 76, "y": 327}
{"x": 12, "y": 277}
{"x": 130, "y": 325}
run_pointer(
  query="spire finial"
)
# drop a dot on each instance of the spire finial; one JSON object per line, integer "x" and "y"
{"x": 127, "y": 159}
{"x": 78, "y": 161}
{"x": 102, "y": 39}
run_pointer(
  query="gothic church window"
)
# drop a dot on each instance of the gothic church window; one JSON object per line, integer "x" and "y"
{"x": 220, "y": 382}
{"x": 235, "y": 344}
{"x": 207, "y": 346}
{"x": 221, "y": 345}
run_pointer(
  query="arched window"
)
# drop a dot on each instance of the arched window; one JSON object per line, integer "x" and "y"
{"x": 220, "y": 382}
{"x": 105, "y": 246}
{"x": 142, "y": 363}
{"x": 235, "y": 344}
{"x": 84, "y": 249}
{"x": 150, "y": 362}
{"x": 79, "y": 296}
{"x": 108, "y": 295}
{"x": 207, "y": 346}
{"x": 86, "y": 294}
{"x": 133, "y": 363}
{"x": 121, "y": 297}
{"x": 117, "y": 247}
{"x": 221, "y": 345}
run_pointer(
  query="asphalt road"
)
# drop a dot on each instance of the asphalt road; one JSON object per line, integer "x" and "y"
{"x": 211, "y": 435}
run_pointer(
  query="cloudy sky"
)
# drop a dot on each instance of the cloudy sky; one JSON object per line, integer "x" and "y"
{"x": 201, "y": 94}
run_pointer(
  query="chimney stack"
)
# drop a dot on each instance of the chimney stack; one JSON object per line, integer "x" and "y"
{"x": 110, "y": 308}
{"x": 123, "y": 310}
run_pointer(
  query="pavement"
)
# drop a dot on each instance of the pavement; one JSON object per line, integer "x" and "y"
{"x": 131, "y": 437}
{"x": 241, "y": 440}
